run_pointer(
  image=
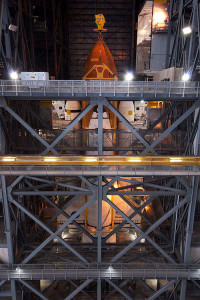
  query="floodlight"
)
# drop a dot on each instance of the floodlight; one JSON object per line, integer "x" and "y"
{"x": 129, "y": 76}
{"x": 187, "y": 30}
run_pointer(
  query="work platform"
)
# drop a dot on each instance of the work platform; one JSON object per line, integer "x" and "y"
{"x": 86, "y": 89}
{"x": 61, "y": 271}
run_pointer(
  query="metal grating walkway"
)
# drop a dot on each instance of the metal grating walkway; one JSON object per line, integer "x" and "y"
{"x": 82, "y": 89}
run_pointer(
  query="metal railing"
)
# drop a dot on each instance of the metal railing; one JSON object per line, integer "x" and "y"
{"x": 88, "y": 88}
{"x": 93, "y": 170}
{"x": 106, "y": 270}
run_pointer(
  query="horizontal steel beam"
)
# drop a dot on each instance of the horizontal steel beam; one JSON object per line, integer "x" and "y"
{"x": 66, "y": 193}
{"x": 146, "y": 193}
{"x": 34, "y": 272}
{"x": 129, "y": 171}
{"x": 52, "y": 193}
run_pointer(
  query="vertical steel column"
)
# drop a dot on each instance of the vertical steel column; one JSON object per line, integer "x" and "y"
{"x": 99, "y": 232}
{"x": 99, "y": 289}
{"x": 191, "y": 212}
{"x": 100, "y": 127}
{"x": 169, "y": 35}
{"x": 7, "y": 33}
{"x": 1, "y": 19}
{"x": 192, "y": 48}
{"x": 189, "y": 229}
{"x": 8, "y": 228}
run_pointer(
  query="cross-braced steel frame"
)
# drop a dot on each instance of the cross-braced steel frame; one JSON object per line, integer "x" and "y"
{"x": 36, "y": 247}
{"x": 168, "y": 237}
{"x": 184, "y": 50}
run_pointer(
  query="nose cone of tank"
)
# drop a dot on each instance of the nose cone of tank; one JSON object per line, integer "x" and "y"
{"x": 100, "y": 63}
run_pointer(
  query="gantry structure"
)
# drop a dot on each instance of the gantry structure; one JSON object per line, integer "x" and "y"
{"x": 42, "y": 167}
{"x": 184, "y": 51}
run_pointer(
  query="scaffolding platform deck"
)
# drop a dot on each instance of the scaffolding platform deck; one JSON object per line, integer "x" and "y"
{"x": 86, "y": 89}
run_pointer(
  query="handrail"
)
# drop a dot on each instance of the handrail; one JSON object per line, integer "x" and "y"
{"x": 104, "y": 266}
{"x": 82, "y": 88}
{"x": 96, "y": 170}
{"x": 78, "y": 271}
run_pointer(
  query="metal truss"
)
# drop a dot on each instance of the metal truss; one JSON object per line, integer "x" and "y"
{"x": 176, "y": 139}
{"x": 167, "y": 239}
{"x": 36, "y": 248}
{"x": 111, "y": 269}
{"x": 16, "y": 32}
{"x": 184, "y": 51}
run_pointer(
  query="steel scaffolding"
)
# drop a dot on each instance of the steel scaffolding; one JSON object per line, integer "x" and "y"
{"x": 36, "y": 249}
{"x": 176, "y": 184}
{"x": 184, "y": 51}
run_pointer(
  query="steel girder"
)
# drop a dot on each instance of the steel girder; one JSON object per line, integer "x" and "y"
{"x": 98, "y": 239}
{"x": 176, "y": 193}
{"x": 17, "y": 47}
{"x": 144, "y": 141}
{"x": 184, "y": 50}
{"x": 121, "y": 271}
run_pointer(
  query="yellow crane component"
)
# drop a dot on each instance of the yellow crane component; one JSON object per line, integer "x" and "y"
{"x": 101, "y": 160}
{"x": 100, "y": 21}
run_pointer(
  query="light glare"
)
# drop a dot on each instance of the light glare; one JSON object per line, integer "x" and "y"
{"x": 91, "y": 159}
{"x": 49, "y": 159}
{"x": 185, "y": 77}
{"x": 135, "y": 160}
{"x": 187, "y": 30}
{"x": 14, "y": 75}
{"x": 129, "y": 76}
{"x": 8, "y": 159}
{"x": 175, "y": 160}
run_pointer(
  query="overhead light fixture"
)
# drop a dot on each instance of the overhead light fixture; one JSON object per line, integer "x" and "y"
{"x": 8, "y": 159}
{"x": 142, "y": 241}
{"x": 91, "y": 159}
{"x": 13, "y": 75}
{"x": 185, "y": 77}
{"x": 12, "y": 27}
{"x": 129, "y": 76}
{"x": 187, "y": 30}
{"x": 159, "y": 17}
{"x": 133, "y": 235}
{"x": 50, "y": 159}
{"x": 175, "y": 159}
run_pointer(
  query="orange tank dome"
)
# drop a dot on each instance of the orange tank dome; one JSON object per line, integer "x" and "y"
{"x": 100, "y": 63}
